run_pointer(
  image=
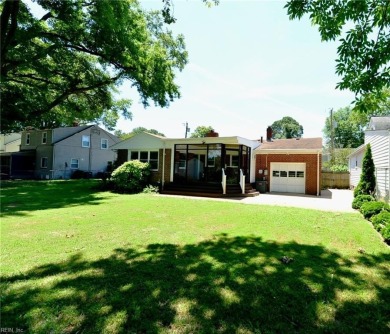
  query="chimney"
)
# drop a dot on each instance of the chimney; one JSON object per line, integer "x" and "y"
{"x": 269, "y": 133}
{"x": 212, "y": 134}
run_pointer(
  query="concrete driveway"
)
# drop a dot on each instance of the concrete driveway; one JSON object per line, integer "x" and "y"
{"x": 330, "y": 200}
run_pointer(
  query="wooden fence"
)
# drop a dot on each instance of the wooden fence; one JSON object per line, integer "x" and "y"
{"x": 338, "y": 180}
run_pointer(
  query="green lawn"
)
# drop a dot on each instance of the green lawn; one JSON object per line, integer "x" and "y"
{"x": 77, "y": 260}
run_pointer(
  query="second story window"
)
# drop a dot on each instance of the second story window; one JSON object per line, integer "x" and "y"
{"x": 86, "y": 141}
{"x": 104, "y": 144}
{"x": 44, "y": 137}
{"x": 28, "y": 139}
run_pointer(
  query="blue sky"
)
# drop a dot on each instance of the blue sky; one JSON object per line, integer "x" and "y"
{"x": 249, "y": 65}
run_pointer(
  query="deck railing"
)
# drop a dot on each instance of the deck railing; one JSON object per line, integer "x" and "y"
{"x": 223, "y": 181}
{"x": 242, "y": 181}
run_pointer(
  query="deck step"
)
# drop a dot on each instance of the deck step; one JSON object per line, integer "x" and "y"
{"x": 209, "y": 190}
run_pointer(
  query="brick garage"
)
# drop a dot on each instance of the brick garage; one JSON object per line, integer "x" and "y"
{"x": 283, "y": 153}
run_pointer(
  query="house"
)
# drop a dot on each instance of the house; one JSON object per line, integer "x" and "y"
{"x": 57, "y": 153}
{"x": 8, "y": 143}
{"x": 377, "y": 135}
{"x": 226, "y": 165}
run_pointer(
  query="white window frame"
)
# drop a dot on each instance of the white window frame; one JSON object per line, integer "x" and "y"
{"x": 42, "y": 160}
{"x": 89, "y": 141}
{"x": 28, "y": 138}
{"x": 104, "y": 140}
{"x": 44, "y": 137}
{"x": 71, "y": 163}
{"x": 148, "y": 160}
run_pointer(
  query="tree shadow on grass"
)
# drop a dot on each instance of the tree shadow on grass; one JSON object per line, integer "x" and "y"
{"x": 224, "y": 285}
{"x": 20, "y": 197}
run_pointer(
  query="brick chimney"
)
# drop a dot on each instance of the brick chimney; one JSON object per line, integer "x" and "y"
{"x": 212, "y": 134}
{"x": 269, "y": 133}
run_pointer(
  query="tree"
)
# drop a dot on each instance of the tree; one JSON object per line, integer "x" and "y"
{"x": 287, "y": 127}
{"x": 363, "y": 52}
{"x": 123, "y": 135}
{"x": 367, "y": 183}
{"x": 201, "y": 131}
{"x": 66, "y": 65}
{"x": 348, "y": 131}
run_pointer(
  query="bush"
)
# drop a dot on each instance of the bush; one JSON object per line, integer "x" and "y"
{"x": 381, "y": 220}
{"x": 131, "y": 177}
{"x": 149, "y": 189}
{"x": 386, "y": 233}
{"x": 370, "y": 209}
{"x": 360, "y": 199}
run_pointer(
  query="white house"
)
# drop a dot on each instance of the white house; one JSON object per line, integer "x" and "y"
{"x": 378, "y": 136}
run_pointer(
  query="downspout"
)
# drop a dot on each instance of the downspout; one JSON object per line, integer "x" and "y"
{"x": 318, "y": 173}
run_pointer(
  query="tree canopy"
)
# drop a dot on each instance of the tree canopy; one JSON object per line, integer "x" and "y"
{"x": 348, "y": 131}
{"x": 363, "y": 29}
{"x": 287, "y": 127}
{"x": 124, "y": 135}
{"x": 201, "y": 131}
{"x": 67, "y": 65}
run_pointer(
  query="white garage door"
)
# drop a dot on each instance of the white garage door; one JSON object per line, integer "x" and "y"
{"x": 288, "y": 177}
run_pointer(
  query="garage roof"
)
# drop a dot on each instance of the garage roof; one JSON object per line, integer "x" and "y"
{"x": 295, "y": 144}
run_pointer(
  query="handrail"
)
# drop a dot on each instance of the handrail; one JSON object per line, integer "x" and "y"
{"x": 223, "y": 181}
{"x": 242, "y": 181}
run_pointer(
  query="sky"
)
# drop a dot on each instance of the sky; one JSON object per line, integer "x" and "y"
{"x": 249, "y": 66}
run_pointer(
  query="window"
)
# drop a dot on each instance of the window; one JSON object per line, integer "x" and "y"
{"x": 104, "y": 144}
{"x": 153, "y": 160}
{"x": 44, "y": 137}
{"x": 74, "y": 163}
{"x": 44, "y": 162}
{"x": 300, "y": 174}
{"x": 283, "y": 173}
{"x": 146, "y": 156}
{"x": 291, "y": 173}
{"x": 275, "y": 173}
{"x": 28, "y": 139}
{"x": 86, "y": 141}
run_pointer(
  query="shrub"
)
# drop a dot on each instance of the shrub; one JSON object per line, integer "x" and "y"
{"x": 360, "y": 199}
{"x": 366, "y": 185}
{"x": 370, "y": 209}
{"x": 131, "y": 177}
{"x": 381, "y": 220}
{"x": 386, "y": 233}
{"x": 149, "y": 189}
{"x": 78, "y": 174}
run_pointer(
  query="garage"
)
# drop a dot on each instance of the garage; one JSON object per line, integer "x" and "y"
{"x": 288, "y": 177}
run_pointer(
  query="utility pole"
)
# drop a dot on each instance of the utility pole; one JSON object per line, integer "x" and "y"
{"x": 187, "y": 129}
{"x": 331, "y": 138}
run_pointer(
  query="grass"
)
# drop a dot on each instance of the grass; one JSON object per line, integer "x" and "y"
{"x": 77, "y": 260}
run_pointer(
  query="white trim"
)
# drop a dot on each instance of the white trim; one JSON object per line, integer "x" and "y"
{"x": 101, "y": 143}
{"x": 47, "y": 162}
{"x": 89, "y": 141}
{"x": 78, "y": 163}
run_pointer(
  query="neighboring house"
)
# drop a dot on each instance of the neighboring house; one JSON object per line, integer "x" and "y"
{"x": 57, "y": 153}
{"x": 203, "y": 162}
{"x": 378, "y": 136}
{"x": 8, "y": 143}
